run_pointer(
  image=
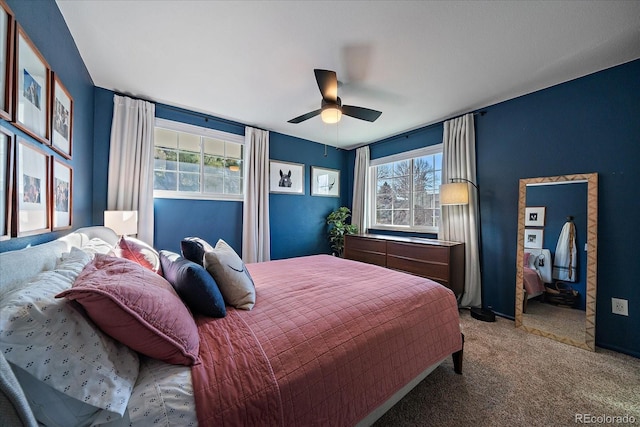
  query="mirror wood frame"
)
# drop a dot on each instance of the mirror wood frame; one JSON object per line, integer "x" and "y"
{"x": 592, "y": 256}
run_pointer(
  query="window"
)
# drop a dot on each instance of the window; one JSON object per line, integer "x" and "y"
{"x": 195, "y": 162}
{"x": 406, "y": 190}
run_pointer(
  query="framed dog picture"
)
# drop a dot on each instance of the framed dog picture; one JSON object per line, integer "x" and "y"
{"x": 286, "y": 177}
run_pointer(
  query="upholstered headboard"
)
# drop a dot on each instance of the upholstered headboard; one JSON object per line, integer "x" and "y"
{"x": 18, "y": 266}
{"x": 540, "y": 259}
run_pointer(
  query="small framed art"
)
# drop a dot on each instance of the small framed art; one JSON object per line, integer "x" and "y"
{"x": 6, "y": 61}
{"x": 32, "y": 89}
{"x": 534, "y": 216}
{"x": 533, "y": 238}
{"x": 6, "y": 182}
{"x": 286, "y": 177}
{"x": 32, "y": 195}
{"x": 62, "y": 120}
{"x": 62, "y": 195}
{"x": 325, "y": 182}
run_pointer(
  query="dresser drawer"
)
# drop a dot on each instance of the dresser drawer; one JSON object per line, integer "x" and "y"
{"x": 431, "y": 270}
{"x": 371, "y": 251}
{"x": 423, "y": 252}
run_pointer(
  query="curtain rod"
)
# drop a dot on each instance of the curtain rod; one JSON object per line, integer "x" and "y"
{"x": 204, "y": 116}
{"x": 420, "y": 129}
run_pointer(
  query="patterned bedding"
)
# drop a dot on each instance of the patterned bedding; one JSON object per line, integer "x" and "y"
{"x": 163, "y": 396}
{"x": 327, "y": 342}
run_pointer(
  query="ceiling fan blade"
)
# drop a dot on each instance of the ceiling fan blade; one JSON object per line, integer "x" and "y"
{"x": 361, "y": 113}
{"x": 304, "y": 117}
{"x": 327, "y": 83}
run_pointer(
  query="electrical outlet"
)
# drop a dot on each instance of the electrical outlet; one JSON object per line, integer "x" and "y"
{"x": 619, "y": 306}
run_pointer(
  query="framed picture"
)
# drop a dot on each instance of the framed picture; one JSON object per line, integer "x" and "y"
{"x": 533, "y": 238}
{"x": 285, "y": 177}
{"x": 6, "y": 182}
{"x": 534, "y": 216}
{"x": 7, "y": 23}
{"x": 62, "y": 192}
{"x": 325, "y": 182}
{"x": 62, "y": 120}
{"x": 32, "y": 89}
{"x": 32, "y": 194}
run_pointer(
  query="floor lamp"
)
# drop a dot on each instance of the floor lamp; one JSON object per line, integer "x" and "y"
{"x": 457, "y": 193}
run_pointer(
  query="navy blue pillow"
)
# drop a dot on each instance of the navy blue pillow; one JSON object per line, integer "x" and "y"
{"x": 194, "y": 248}
{"x": 194, "y": 284}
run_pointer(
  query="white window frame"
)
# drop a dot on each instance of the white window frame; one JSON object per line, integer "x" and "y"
{"x": 209, "y": 133}
{"x": 420, "y": 152}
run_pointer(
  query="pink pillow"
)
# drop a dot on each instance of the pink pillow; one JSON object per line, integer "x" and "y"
{"x": 527, "y": 255}
{"x": 140, "y": 252}
{"x": 138, "y": 308}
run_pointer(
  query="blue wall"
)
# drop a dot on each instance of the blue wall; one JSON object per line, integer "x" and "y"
{"x": 48, "y": 31}
{"x": 585, "y": 125}
{"x": 297, "y": 221}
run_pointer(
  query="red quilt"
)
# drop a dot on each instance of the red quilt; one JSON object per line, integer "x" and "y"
{"x": 328, "y": 341}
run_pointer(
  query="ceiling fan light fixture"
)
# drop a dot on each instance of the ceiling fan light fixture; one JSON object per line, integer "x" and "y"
{"x": 331, "y": 114}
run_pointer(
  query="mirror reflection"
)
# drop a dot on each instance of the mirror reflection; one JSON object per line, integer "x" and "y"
{"x": 557, "y": 232}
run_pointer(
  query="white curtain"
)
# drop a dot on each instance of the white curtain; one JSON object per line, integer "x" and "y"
{"x": 360, "y": 203}
{"x": 256, "y": 237}
{"x": 461, "y": 223}
{"x": 130, "y": 182}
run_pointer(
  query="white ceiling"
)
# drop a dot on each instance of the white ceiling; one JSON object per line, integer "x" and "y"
{"x": 418, "y": 62}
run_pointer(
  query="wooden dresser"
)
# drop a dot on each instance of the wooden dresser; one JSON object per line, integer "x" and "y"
{"x": 434, "y": 259}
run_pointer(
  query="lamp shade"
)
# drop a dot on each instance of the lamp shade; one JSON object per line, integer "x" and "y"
{"x": 455, "y": 193}
{"x": 122, "y": 222}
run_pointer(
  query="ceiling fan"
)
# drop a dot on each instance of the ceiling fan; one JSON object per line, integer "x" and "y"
{"x": 331, "y": 108}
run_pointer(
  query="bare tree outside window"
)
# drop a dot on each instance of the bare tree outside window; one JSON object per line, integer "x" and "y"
{"x": 407, "y": 192}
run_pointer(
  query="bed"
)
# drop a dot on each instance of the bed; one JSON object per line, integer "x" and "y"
{"x": 536, "y": 272}
{"x": 327, "y": 341}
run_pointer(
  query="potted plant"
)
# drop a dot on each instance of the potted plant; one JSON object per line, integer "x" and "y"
{"x": 338, "y": 227}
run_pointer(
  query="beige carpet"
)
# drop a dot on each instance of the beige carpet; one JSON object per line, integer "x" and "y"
{"x": 513, "y": 378}
{"x": 559, "y": 320}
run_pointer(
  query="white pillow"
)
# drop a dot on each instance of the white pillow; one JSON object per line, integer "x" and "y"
{"x": 231, "y": 275}
{"x": 56, "y": 344}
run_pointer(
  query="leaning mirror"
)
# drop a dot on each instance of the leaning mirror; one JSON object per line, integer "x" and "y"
{"x": 557, "y": 255}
